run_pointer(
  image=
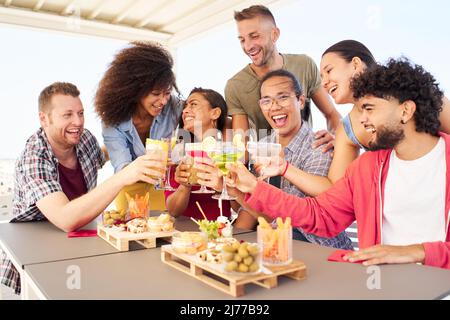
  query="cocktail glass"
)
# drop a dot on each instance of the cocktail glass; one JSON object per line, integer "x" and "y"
{"x": 223, "y": 154}
{"x": 195, "y": 154}
{"x": 171, "y": 162}
{"x": 160, "y": 148}
{"x": 262, "y": 152}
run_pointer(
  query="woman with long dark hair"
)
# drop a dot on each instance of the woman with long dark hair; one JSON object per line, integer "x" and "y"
{"x": 204, "y": 115}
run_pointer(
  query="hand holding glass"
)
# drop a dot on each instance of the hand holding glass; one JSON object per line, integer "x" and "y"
{"x": 195, "y": 155}
{"x": 266, "y": 158}
{"x": 160, "y": 149}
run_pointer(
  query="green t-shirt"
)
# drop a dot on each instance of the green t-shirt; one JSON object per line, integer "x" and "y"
{"x": 242, "y": 90}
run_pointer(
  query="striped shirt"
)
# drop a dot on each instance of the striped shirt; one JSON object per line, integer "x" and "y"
{"x": 36, "y": 176}
{"x": 299, "y": 153}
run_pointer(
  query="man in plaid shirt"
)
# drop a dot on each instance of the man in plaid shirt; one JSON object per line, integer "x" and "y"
{"x": 281, "y": 102}
{"x": 56, "y": 174}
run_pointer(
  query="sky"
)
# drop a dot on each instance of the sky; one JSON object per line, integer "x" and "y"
{"x": 32, "y": 59}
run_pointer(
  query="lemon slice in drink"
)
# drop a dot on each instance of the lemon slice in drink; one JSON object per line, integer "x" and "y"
{"x": 209, "y": 144}
{"x": 237, "y": 141}
{"x": 151, "y": 144}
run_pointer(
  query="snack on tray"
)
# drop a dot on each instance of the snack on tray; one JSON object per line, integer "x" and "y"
{"x": 276, "y": 243}
{"x": 216, "y": 228}
{"x": 163, "y": 222}
{"x": 119, "y": 227}
{"x": 211, "y": 256}
{"x": 189, "y": 242}
{"x": 139, "y": 206}
{"x": 217, "y": 244}
{"x": 138, "y": 225}
{"x": 225, "y": 227}
{"x": 114, "y": 217}
{"x": 210, "y": 227}
{"x": 242, "y": 257}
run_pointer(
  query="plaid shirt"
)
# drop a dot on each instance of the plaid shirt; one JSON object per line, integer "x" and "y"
{"x": 36, "y": 176}
{"x": 300, "y": 154}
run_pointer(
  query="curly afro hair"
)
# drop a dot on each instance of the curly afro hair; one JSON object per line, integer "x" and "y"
{"x": 403, "y": 80}
{"x": 135, "y": 71}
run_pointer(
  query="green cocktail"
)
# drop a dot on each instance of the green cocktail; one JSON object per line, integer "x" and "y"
{"x": 221, "y": 160}
{"x": 223, "y": 154}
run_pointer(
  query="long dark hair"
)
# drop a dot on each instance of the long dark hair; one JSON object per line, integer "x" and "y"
{"x": 216, "y": 100}
{"x": 135, "y": 71}
{"x": 348, "y": 49}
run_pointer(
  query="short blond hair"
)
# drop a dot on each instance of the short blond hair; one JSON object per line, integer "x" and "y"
{"x": 64, "y": 88}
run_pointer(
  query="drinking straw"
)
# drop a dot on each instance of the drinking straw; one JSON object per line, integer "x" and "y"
{"x": 220, "y": 206}
{"x": 201, "y": 210}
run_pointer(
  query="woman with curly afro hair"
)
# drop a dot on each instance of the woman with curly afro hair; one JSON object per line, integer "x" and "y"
{"x": 134, "y": 101}
{"x": 339, "y": 65}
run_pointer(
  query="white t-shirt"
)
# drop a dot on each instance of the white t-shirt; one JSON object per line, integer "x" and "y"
{"x": 414, "y": 199}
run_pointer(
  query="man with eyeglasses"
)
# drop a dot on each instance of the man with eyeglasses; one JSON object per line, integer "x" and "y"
{"x": 258, "y": 34}
{"x": 281, "y": 103}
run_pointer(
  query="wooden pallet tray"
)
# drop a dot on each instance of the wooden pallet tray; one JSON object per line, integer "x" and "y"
{"x": 230, "y": 283}
{"x": 121, "y": 239}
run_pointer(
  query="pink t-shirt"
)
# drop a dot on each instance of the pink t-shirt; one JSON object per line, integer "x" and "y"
{"x": 209, "y": 205}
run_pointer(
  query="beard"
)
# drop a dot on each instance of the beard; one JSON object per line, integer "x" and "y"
{"x": 267, "y": 51}
{"x": 387, "y": 138}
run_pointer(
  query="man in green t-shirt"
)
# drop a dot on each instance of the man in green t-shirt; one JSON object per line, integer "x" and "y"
{"x": 258, "y": 35}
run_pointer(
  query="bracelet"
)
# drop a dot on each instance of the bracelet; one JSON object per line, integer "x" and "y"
{"x": 285, "y": 169}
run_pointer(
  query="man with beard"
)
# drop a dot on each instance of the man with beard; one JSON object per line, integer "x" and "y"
{"x": 258, "y": 35}
{"x": 399, "y": 193}
{"x": 56, "y": 174}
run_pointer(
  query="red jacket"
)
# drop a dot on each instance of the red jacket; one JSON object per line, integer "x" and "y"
{"x": 359, "y": 196}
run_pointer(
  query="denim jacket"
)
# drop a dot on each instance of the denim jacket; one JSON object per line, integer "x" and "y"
{"x": 123, "y": 142}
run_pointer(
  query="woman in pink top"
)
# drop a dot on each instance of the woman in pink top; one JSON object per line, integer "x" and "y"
{"x": 204, "y": 114}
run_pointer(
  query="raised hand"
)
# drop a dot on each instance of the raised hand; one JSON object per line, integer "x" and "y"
{"x": 324, "y": 139}
{"x": 271, "y": 167}
{"x": 148, "y": 168}
{"x": 182, "y": 174}
{"x": 209, "y": 175}
{"x": 240, "y": 178}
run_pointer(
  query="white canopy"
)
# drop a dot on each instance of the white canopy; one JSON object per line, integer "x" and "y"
{"x": 169, "y": 22}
